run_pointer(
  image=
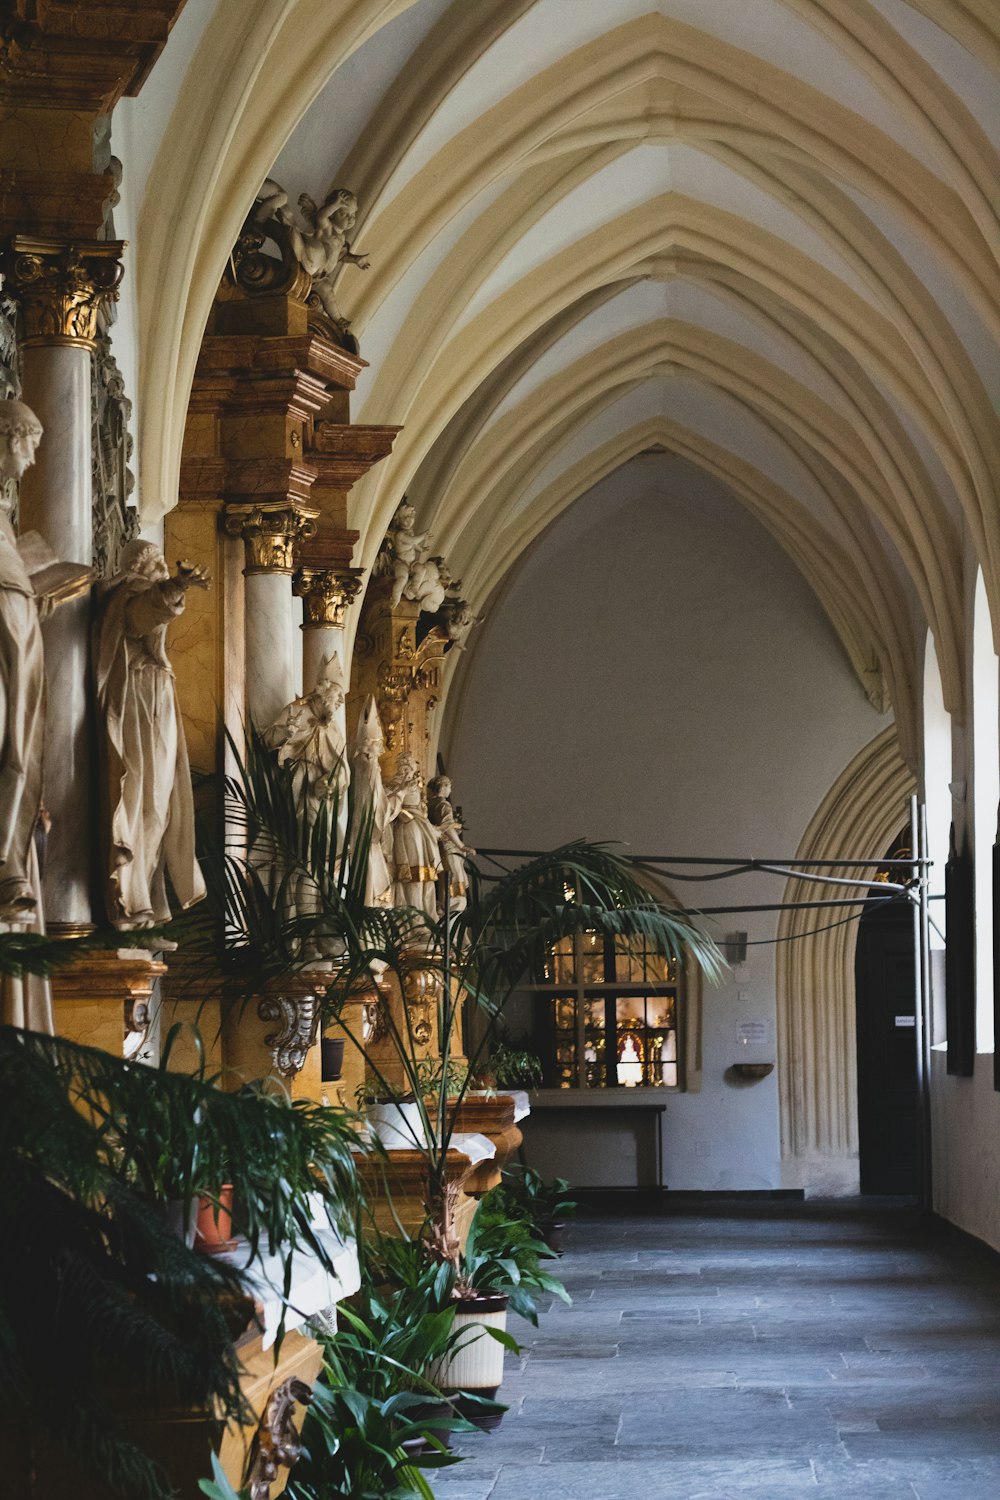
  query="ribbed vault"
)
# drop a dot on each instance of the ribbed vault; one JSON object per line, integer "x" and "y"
{"x": 821, "y": 172}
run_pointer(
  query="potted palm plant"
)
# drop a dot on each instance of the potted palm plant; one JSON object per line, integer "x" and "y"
{"x": 310, "y": 891}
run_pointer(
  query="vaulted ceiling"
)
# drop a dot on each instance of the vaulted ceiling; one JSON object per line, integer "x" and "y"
{"x": 760, "y": 235}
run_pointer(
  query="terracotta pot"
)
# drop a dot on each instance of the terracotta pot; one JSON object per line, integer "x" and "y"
{"x": 213, "y": 1233}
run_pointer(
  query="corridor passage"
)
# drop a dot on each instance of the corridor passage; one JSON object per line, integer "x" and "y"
{"x": 755, "y": 1350}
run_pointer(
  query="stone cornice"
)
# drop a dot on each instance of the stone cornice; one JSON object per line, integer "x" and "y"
{"x": 281, "y": 354}
{"x": 343, "y": 453}
{"x": 81, "y": 54}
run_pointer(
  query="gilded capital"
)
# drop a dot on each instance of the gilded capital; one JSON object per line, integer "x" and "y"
{"x": 270, "y": 534}
{"x": 61, "y": 287}
{"x": 326, "y": 594}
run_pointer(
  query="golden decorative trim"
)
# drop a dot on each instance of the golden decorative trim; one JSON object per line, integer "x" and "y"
{"x": 413, "y": 874}
{"x": 70, "y": 929}
{"x": 61, "y": 288}
{"x": 326, "y": 594}
{"x": 270, "y": 534}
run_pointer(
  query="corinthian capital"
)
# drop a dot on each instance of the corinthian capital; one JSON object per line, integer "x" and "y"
{"x": 271, "y": 534}
{"x": 62, "y": 286}
{"x": 326, "y": 594}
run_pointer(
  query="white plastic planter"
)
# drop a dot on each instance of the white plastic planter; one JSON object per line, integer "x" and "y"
{"x": 477, "y": 1364}
{"x": 398, "y": 1126}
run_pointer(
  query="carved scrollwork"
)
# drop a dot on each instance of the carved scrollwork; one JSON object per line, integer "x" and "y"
{"x": 374, "y": 1025}
{"x": 298, "y": 1017}
{"x": 277, "y": 1444}
{"x": 115, "y": 520}
{"x": 259, "y": 273}
{"x": 10, "y": 380}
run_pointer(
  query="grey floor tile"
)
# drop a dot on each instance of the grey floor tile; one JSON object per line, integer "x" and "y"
{"x": 830, "y": 1352}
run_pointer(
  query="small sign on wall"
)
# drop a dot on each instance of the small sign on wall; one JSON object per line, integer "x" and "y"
{"x": 753, "y": 1034}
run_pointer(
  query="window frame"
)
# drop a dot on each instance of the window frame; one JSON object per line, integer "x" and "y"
{"x": 583, "y": 988}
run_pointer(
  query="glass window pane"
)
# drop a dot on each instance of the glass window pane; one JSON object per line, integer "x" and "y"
{"x": 564, "y": 962}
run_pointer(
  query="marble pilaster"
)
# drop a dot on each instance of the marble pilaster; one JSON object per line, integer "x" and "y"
{"x": 326, "y": 595}
{"x": 270, "y": 536}
{"x": 61, "y": 288}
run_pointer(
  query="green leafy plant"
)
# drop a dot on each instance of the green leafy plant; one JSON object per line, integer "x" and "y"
{"x": 513, "y": 1067}
{"x": 219, "y": 1486}
{"x": 89, "y": 1268}
{"x": 370, "y": 1407}
{"x": 503, "y": 1255}
{"x": 524, "y": 1194}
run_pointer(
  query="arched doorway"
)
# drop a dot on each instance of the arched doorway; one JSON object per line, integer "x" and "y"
{"x": 885, "y": 973}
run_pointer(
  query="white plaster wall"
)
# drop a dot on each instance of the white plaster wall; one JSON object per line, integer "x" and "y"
{"x": 965, "y": 1124}
{"x": 657, "y": 672}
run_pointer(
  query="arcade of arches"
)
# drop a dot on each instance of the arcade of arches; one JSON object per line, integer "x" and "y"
{"x": 676, "y": 323}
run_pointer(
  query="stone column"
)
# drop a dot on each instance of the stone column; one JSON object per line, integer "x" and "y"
{"x": 326, "y": 594}
{"x": 61, "y": 288}
{"x": 270, "y": 535}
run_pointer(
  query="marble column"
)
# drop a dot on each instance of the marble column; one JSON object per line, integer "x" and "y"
{"x": 326, "y": 595}
{"x": 60, "y": 289}
{"x": 270, "y": 536}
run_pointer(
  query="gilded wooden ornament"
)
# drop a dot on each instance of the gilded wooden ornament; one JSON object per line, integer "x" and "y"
{"x": 326, "y": 594}
{"x": 298, "y": 1018}
{"x": 61, "y": 288}
{"x": 270, "y": 534}
{"x": 277, "y": 1444}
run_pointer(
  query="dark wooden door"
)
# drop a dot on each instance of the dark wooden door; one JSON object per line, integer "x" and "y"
{"x": 887, "y": 1052}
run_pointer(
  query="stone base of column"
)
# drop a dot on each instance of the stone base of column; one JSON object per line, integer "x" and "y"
{"x": 104, "y": 998}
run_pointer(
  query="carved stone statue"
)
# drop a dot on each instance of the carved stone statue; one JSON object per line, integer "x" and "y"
{"x": 147, "y": 811}
{"x": 319, "y": 243}
{"x": 453, "y": 847}
{"x": 457, "y": 620}
{"x": 307, "y": 735}
{"x": 416, "y": 850}
{"x": 32, "y": 582}
{"x": 402, "y": 551}
{"x": 371, "y": 803}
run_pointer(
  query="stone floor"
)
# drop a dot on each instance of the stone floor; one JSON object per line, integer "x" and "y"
{"x": 753, "y": 1350}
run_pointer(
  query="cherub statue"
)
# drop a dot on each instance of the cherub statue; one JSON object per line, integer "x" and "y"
{"x": 319, "y": 244}
{"x": 453, "y": 847}
{"x": 457, "y": 620}
{"x": 429, "y": 581}
{"x": 402, "y": 550}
